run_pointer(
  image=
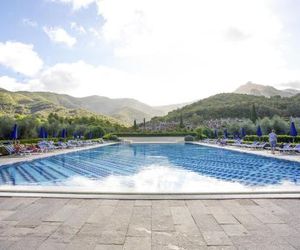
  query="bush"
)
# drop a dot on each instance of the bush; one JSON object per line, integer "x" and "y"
{"x": 280, "y": 138}
{"x": 146, "y": 134}
{"x": 111, "y": 137}
{"x": 189, "y": 138}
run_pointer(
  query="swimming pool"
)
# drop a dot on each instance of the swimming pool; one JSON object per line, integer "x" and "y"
{"x": 155, "y": 168}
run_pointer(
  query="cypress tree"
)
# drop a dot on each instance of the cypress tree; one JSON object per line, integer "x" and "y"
{"x": 253, "y": 114}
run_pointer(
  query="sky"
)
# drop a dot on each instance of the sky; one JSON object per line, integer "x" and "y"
{"x": 158, "y": 52}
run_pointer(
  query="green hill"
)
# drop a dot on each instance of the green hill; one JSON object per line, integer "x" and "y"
{"x": 235, "y": 106}
{"x": 42, "y": 104}
{"x": 123, "y": 109}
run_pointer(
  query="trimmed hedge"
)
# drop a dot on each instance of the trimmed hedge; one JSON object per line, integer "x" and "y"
{"x": 143, "y": 134}
{"x": 36, "y": 140}
{"x": 189, "y": 138}
{"x": 111, "y": 137}
{"x": 280, "y": 138}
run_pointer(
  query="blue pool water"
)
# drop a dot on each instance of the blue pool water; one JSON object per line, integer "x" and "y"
{"x": 153, "y": 164}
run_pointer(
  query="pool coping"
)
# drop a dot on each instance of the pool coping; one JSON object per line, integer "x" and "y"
{"x": 152, "y": 196}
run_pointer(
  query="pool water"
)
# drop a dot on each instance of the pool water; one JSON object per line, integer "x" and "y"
{"x": 155, "y": 168}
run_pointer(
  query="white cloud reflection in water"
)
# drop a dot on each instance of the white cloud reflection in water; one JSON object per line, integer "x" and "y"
{"x": 158, "y": 178}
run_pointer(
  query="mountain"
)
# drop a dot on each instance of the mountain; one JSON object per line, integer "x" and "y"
{"x": 123, "y": 109}
{"x": 231, "y": 105}
{"x": 261, "y": 90}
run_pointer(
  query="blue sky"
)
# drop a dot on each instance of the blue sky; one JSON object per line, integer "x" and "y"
{"x": 157, "y": 52}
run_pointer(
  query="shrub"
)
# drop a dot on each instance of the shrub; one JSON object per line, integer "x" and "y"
{"x": 111, "y": 137}
{"x": 145, "y": 134}
{"x": 189, "y": 138}
{"x": 280, "y": 138}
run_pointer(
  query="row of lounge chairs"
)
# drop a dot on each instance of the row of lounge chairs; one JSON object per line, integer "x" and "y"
{"x": 287, "y": 147}
{"x": 46, "y": 146}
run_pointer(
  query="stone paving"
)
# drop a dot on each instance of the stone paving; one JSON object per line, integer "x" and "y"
{"x": 51, "y": 223}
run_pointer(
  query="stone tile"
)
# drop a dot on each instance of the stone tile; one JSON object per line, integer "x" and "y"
{"x": 17, "y": 232}
{"x": 143, "y": 203}
{"x": 16, "y": 203}
{"x": 64, "y": 234}
{"x": 264, "y": 215}
{"x": 6, "y": 242}
{"x": 234, "y": 207}
{"x": 283, "y": 230}
{"x": 91, "y": 230}
{"x": 216, "y": 238}
{"x": 271, "y": 206}
{"x": 111, "y": 237}
{"x": 27, "y": 243}
{"x": 246, "y": 202}
{"x": 176, "y": 240}
{"x": 293, "y": 240}
{"x": 140, "y": 222}
{"x": 176, "y": 203}
{"x": 101, "y": 215}
{"x": 45, "y": 207}
{"x": 206, "y": 222}
{"x": 137, "y": 243}
{"x": 52, "y": 245}
{"x": 63, "y": 214}
{"x": 161, "y": 217}
{"x": 235, "y": 230}
{"x": 224, "y": 218}
{"x": 265, "y": 247}
{"x": 79, "y": 242}
{"x": 222, "y": 248}
{"x": 197, "y": 207}
{"x": 251, "y": 223}
{"x": 109, "y": 247}
{"x": 5, "y": 214}
{"x": 46, "y": 228}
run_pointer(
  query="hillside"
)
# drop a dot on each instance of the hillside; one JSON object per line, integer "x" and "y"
{"x": 123, "y": 109}
{"x": 261, "y": 90}
{"x": 26, "y": 103}
{"x": 235, "y": 106}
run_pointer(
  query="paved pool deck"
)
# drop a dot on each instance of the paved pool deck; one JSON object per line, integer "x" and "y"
{"x": 261, "y": 152}
{"x": 10, "y": 159}
{"x": 47, "y": 223}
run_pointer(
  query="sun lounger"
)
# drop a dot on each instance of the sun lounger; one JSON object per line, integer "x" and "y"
{"x": 297, "y": 148}
{"x": 238, "y": 143}
{"x": 261, "y": 145}
{"x": 255, "y": 143}
{"x": 286, "y": 147}
{"x": 289, "y": 148}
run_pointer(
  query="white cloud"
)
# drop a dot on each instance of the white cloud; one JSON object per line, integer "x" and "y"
{"x": 76, "y": 4}
{"x": 20, "y": 57}
{"x": 59, "y": 35}
{"x": 77, "y": 27}
{"x": 205, "y": 46}
{"x": 82, "y": 79}
{"x": 12, "y": 84}
{"x": 29, "y": 22}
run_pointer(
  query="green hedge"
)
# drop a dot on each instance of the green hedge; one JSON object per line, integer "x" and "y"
{"x": 142, "y": 134}
{"x": 36, "y": 140}
{"x": 280, "y": 138}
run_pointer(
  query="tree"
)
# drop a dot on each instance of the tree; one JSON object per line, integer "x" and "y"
{"x": 199, "y": 132}
{"x": 181, "y": 124}
{"x": 144, "y": 123}
{"x": 134, "y": 125}
{"x": 253, "y": 114}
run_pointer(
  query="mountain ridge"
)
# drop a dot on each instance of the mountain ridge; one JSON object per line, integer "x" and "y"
{"x": 124, "y": 109}
{"x": 264, "y": 90}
